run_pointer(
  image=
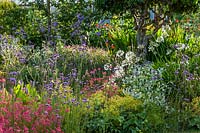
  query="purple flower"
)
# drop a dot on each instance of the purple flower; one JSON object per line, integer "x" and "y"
{"x": 58, "y": 116}
{"x": 176, "y": 72}
{"x": 55, "y": 24}
{"x": 22, "y": 30}
{"x": 84, "y": 44}
{"x": 185, "y": 58}
{"x": 98, "y": 33}
{"x": 22, "y": 60}
{"x": 42, "y": 29}
{"x": 65, "y": 83}
{"x": 73, "y": 100}
{"x": 13, "y": 80}
{"x": 55, "y": 56}
{"x": 185, "y": 72}
{"x": 61, "y": 74}
{"x": 25, "y": 90}
{"x": 84, "y": 100}
{"x": 52, "y": 43}
{"x": 13, "y": 73}
{"x": 80, "y": 17}
{"x": 190, "y": 77}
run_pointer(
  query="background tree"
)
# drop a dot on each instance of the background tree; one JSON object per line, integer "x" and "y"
{"x": 148, "y": 15}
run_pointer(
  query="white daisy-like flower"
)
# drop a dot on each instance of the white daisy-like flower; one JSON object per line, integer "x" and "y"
{"x": 160, "y": 39}
{"x": 124, "y": 63}
{"x": 130, "y": 56}
{"x": 107, "y": 66}
{"x": 165, "y": 34}
{"x": 120, "y": 53}
{"x": 119, "y": 71}
{"x": 169, "y": 51}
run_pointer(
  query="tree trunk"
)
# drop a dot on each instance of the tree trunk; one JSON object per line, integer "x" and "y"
{"x": 142, "y": 42}
{"x": 49, "y": 20}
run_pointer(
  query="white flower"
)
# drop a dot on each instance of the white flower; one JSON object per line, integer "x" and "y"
{"x": 124, "y": 63}
{"x": 187, "y": 37}
{"x": 107, "y": 66}
{"x": 169, "y": 51}
{"x": 120, "y": 53}
{"x": 140, "y": 47}
{"x": 154, "y": 44}
{"x": 180, "y": 46}
{"x": 165, "y": 34}
{"x": 166, "y": 27}
{"x": 130, "y": 56}
{"x": 119, "y": 72}
{"x": 151, "y": 48}
{"x": 160, "y": 39}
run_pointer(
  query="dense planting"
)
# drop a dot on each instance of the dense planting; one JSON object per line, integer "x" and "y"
{"x": 77, "y": 69}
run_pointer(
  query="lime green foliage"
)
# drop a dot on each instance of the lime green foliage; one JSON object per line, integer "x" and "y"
{"x": 122, "y": 114}
{"x": 106, "y": 114}
{"x": 6, "y": 5}
{"x": 195, "y": 110}
{"x": 26, "y": 93}
{"x": 117, "y": 105}
{"x": 122, "y": 38}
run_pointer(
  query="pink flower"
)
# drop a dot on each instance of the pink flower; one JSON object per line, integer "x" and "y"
{"x": 58, "y": 129}
{"x": 67, "y": 110}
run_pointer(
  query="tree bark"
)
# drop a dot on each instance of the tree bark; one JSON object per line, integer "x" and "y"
{"x": 49, "y": 20}
{"x": 142, "y": 42}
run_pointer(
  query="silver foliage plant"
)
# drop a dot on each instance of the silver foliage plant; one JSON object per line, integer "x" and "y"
{"x": 145, "y": 83}
{"x": 140, "y": 81}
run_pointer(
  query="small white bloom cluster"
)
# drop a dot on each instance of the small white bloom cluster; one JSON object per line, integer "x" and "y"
{"x": 107, "y": 66}
{"x": 152, "y": 46}
{"x": 120, "y": 53}
{"x": 164, "y": 34}
{"x": 180, "y": 46}
{"x": 165, "y": 29}
{"x": 160, "y": 39}
{"x": 145, "y": 83}
{"x": 126, "y": 60}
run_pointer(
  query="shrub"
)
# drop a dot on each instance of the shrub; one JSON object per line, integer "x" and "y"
{"x": 145, "y": 83}
{"x": 195, "y": 112}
